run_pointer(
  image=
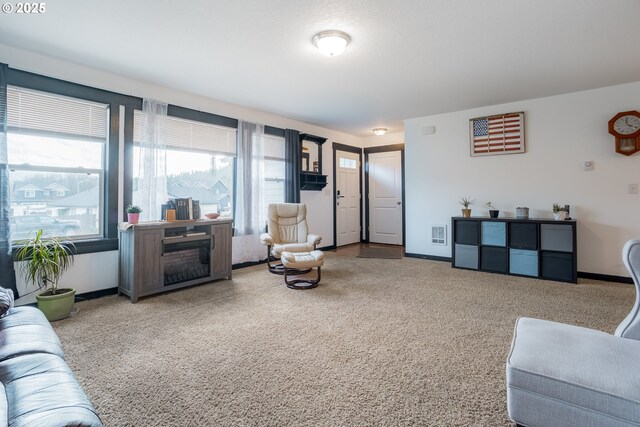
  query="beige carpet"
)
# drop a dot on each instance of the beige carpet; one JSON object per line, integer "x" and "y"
{"x": 379, "y": 342}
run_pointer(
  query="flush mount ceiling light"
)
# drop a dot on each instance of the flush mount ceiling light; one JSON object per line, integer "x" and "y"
{"x": 331, "y": 42}
{"x": 380, "y": 131}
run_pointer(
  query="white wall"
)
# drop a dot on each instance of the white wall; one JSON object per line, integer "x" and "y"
{"x": 561, "y": 132}
{"x": 386, "y": 139}
{"x": 86, "y": 268}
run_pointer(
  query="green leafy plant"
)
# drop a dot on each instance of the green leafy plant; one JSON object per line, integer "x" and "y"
{"x": 466, "y": 202}
{"x": 490, "y": 206}
{"x": 134, "y": 209}
{"x": 557, "y": 208}
{"x": 46, "y": 259}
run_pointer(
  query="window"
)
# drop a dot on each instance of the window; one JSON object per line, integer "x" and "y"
{"x": 56, "y": 151}
{"x": 199, "y": 160}
{"x": 348, "y": 163}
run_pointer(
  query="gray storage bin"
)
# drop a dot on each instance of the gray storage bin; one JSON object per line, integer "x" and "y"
{"x": 523, "y": 262}
{"x": 494, "y": 233}
{"x": 466, "y": 256}
{"x": 556, "y": 237}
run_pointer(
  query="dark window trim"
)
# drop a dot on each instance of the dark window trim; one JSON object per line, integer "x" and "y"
{"x": 274, "y": 131}
{"x": 28, "y": 80}
{"x": 200, "y": 116}
{"x": 62, "y": 87}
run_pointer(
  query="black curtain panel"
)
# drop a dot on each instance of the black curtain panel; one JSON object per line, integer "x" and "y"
{"x": 293, "y": 166}
{"x": 7, "y": 272}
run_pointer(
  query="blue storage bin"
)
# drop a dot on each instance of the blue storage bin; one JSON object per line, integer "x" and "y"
{"x": 494, "y": 233}
{"x": 523, "y": 262}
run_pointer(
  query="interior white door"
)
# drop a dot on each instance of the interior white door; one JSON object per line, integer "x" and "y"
{"x": 347, "y": 198}
{"x": 385, "y": 197}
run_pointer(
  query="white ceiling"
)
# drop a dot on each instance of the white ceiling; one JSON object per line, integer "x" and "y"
{"x": 407, "y": 58}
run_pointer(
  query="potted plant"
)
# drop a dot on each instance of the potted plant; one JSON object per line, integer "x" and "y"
{"x": 45, "y": 260}
{"x": 133, "y": 214}
{"x": 559, "y": 212}
{"x": 493, "y": 212}
{"x": 466, "y": 202}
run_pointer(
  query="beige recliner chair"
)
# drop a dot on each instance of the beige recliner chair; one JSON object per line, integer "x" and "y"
{"x": 287, "y": 231}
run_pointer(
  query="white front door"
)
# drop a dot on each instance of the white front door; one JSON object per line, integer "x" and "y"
{"x": 385, "y": 197}
{"x": 347, "y": 198}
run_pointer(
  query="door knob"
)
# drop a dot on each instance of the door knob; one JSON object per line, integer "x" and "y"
{"x": 399, "y": 203}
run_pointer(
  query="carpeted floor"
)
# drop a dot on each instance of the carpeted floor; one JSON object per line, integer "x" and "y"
{"x": 379, "y": 342}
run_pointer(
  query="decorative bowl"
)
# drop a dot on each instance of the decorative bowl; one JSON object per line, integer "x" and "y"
{"x": 212, "y": 215}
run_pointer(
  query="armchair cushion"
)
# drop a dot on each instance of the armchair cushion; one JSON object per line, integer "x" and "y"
{"x": 559, "y": 373}
{"x": 277, "y": 249}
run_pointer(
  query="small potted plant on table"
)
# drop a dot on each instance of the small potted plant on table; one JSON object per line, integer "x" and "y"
{"x": 559, "y": 212}
{"x": 493, "y": 212}
{"x": 44, "y": 262}
{"x": 133, "y": 214}
{"x": 466, "y": 202}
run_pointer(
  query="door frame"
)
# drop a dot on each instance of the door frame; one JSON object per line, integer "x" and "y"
{"x": 350, "y": 149}
{"x": 383, "y": 149}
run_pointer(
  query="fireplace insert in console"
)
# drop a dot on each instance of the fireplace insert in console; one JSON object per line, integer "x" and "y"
{"x": 186, "y": 260}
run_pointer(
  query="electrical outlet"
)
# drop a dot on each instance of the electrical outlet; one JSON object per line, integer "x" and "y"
{"x": 632, "y": 189}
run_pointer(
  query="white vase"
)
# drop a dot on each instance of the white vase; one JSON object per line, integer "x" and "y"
{"x": 560, "y": 215}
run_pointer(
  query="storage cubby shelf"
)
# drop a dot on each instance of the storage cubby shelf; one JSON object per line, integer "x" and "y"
{"x": 541, "y": 248}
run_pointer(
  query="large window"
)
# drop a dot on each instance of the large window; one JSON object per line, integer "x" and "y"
{"x": 56, "y": 153}
{"x": 199, "y": 161}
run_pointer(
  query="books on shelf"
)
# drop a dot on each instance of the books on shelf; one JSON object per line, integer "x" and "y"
{"x": 186, "y": 208}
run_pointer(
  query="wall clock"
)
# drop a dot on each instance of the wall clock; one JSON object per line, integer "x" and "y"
{"x": 625, "y": 126}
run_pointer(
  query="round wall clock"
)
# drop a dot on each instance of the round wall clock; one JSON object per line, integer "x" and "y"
{"x": 625, "y": 126}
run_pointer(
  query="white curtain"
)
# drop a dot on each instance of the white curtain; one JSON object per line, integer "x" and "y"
{"x": 250, "y": 212}
{"x": 151, "y": 190}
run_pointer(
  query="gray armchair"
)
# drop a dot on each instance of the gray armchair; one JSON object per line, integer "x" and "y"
{"x": 287, "y": 231}
{"x": 564, "y": 375}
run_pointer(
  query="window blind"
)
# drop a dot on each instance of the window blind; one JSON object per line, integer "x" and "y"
{"x": 30, "y": 111}
{"x": 273, "y": 147}
{"x": 192, "y": 135}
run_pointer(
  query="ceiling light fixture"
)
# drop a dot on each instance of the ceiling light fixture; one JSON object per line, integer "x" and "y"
{"x": 331, "y": 42}
{"x": 380, "y": 131}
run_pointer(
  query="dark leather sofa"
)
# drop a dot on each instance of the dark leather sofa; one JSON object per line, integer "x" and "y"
{"x": 37, "y": 388}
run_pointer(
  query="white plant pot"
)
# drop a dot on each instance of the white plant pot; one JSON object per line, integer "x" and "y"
{"x": 559, "y": 216}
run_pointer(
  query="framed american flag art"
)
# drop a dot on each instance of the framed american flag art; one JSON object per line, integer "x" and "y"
{"x": 499, "y": 134}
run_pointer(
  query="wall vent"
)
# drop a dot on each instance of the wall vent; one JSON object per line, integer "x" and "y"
{"x": 439, "y": 234}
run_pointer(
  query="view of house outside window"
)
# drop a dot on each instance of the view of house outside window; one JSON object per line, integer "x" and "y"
{"x": 200, "y": 161}
{"x": 206, "y": 177}
{"x": 56, "y": 151}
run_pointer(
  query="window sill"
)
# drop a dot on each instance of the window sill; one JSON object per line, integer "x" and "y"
{"x": 91, "y": 246}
